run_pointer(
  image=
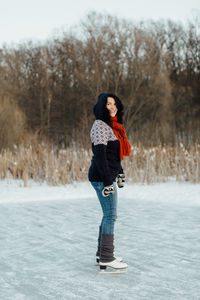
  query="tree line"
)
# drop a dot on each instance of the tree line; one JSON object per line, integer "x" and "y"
{"x": 154, "y": 67}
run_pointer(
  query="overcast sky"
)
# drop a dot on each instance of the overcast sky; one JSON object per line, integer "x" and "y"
{"x": 38, "y": 19}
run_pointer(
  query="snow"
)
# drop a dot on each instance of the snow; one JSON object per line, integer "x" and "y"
{"x": 48, "y": 238}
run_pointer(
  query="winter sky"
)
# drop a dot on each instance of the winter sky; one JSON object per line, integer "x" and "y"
{"x": 38, "y": 19}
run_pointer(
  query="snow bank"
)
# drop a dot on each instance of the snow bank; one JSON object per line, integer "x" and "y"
{"x": 172, "y": 192}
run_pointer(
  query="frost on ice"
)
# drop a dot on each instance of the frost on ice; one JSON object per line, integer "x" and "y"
{"x": 49, "y": 235}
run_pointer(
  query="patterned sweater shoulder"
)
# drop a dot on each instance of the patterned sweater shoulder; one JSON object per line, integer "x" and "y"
{"x": 101, "y": 133}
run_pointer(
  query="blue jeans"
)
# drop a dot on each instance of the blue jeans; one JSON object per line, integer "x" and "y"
{"x": 109, "y": 207}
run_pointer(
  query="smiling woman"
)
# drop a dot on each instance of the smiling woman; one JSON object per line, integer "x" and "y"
{"x": 109, "y": 145}
{"x": 111, "y": 106}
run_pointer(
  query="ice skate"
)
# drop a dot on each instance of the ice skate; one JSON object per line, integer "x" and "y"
{"x": 120, "y": 259}
{"x": 113, "y": 267}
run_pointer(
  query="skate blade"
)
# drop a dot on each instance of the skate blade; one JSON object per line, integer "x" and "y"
{"x": 116, "y": 271}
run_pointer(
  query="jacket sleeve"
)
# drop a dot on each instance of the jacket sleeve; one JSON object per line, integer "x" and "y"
{"x": 102, "y": 164}
{"x": 121, "y": 171}
{"x": 99, "y": 137}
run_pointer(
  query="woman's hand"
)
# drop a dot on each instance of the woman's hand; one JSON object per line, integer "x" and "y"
{"x": 120, "y": 180}
{"x": 108, "y": 190}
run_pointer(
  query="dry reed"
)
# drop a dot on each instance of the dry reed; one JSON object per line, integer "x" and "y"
{"x": 162, "y": 163}
{"x": 43, "y": 163}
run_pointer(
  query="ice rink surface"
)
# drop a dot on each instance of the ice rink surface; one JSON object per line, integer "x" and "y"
{"x": 48, "y": 238}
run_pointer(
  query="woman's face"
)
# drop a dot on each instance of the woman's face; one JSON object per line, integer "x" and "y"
{"x": 111, "y": 106}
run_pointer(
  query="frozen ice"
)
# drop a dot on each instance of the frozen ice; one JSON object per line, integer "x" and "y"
{"x": 48, "y": 239}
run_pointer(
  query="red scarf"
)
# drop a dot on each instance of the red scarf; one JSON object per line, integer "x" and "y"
{"x": 119, "y": 131}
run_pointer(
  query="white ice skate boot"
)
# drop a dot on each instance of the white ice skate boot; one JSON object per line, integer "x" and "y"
{"x": 120, "y": 259}
{"x": 119, "y": 267}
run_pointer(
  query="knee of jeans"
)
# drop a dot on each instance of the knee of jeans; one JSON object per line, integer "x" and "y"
{"x": 111, "y": 217}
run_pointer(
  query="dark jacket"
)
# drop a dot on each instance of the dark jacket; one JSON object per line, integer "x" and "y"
{"x": 106, "y": 162}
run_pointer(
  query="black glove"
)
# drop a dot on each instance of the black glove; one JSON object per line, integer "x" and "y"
{"x": 120, "y": 180}
{"x": 108, "y": 190}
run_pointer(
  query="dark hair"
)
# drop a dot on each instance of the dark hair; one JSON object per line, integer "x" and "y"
{"x": 102, "y": 113}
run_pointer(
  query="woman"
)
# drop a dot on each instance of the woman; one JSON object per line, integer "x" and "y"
{"x": 109, "y": 145}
